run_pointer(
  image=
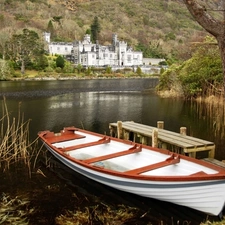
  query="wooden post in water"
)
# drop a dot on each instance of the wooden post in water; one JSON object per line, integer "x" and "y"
{"x": 126, "y": 135}
{"x": 160, "y": 124}
{"x": 155, "y": 138}
{"x": 111, "y": 130}
{"x": 212, "y": 153}
{"x": 119, "y": 129}
{"x": 183, "y": 130}
{"x": 144, "y": 140}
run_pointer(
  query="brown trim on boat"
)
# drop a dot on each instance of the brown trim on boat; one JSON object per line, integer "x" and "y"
{"x": 103, "y": 140}
{"x": 198, "y": 173}
{"x": 134, "y": 149}
{"x": 173, "y": 159}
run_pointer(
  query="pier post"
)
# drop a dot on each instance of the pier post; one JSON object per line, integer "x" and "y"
{"x": 160, "y": 124}
{"x": 126, "y": 135}
{"x": 112, "y": 132}
{"x": 144, "y": 140}
{"x": 119, "y": 129}
{"x": 155, "y": 138}
{"x": 183, "y": 130}
{"x": 212, "y": 153}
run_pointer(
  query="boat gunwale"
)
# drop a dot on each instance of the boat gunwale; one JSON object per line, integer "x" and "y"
{"x": 192, "y": 177}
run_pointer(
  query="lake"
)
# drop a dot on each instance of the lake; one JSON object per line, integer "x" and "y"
{"x": 92, "y": 105}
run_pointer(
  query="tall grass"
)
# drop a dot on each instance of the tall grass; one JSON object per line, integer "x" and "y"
{"x": 15, "y": 145}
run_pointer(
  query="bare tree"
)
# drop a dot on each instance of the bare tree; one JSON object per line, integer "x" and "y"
{"x": 211, "y": 24}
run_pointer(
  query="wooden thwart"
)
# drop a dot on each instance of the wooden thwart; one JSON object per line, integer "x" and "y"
{"x": 104, "y": 140}
{"x": 169, "y": 161}
{"x": 134, "y": 149}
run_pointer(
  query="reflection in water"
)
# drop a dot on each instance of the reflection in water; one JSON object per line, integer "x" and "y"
{"x": 213, "y": 116}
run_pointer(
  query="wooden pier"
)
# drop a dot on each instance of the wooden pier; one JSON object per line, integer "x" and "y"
{"x": 159, "y": 137}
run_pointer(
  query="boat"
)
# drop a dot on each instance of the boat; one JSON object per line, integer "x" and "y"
{"x": 140, "y": 169}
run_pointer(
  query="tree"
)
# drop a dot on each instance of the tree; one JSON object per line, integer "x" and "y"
{"x": 4, "y": 37}
{"x": 41, "y": 62}
{"x": 21, "y": 48}
{"x": 79, "y": 68}
{"x": 50, "y": 28}
{"x": 211, "y": 24}
{"x": 60, "y": 62}
{"x": 138, "y": 71}
{"x": 5, "y": 69}
{"x": 202, "y": 73}
{"x": 95, "y": 29}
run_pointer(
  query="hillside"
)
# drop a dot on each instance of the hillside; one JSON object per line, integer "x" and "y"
{"x": 164, "y": 23}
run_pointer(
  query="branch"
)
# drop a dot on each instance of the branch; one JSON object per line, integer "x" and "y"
{"x": 200, "y": 14}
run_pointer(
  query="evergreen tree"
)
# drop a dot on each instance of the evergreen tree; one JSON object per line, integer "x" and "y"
{"x": 50, "y": 28}
{"x": 95, "y": 29}
{"x": 60, "y": 62}
{"x": 88, "y": 31}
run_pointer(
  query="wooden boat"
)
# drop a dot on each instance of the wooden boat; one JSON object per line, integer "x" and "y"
{"x": 139, "y": 169}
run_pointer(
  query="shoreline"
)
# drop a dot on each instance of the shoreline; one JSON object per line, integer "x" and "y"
{"x": 79, "y": 78}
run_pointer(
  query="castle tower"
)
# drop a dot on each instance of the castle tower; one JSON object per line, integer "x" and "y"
{"x": 47, "y": 37}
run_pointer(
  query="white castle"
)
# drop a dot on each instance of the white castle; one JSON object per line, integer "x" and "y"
{"x": 88, "y": 54}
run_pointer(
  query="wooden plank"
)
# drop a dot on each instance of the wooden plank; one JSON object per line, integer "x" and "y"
{"x": 170, "y": 137}
{"x": 147, "y": 130}
{"x": 134, "y": 149}
{"x": 215, "y": 162}
{"x": 104, "y": 140}
{"x": 169, "y": 161}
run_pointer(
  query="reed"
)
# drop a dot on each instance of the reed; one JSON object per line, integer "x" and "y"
{"x": 98, "y": 214}
{"x": 15, "y": 144}
{"x": 14, "y": 210}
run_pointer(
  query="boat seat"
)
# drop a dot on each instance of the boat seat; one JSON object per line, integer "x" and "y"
{"x": 65, "y": 135}
{"x": 103, "y": 140}
{"x": 134, "y": 149}
{"x": 173, "y": 159}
